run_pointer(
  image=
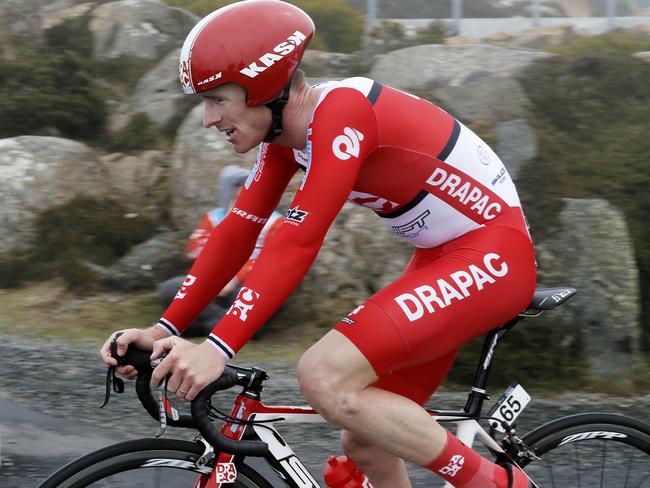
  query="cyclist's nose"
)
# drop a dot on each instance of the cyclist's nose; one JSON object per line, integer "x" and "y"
{"x": 211, "y": 114}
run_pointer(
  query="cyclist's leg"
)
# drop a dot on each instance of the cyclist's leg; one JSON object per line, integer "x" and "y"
{"x": 382, "y": 467}
{"x": 416, "y": 383}
{"x": 404, "y": 325}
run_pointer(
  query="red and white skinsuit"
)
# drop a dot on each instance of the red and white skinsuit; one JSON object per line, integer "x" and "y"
{"x": 431, "y": 180}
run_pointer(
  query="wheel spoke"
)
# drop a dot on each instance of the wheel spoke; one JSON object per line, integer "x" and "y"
{"x": 602, "y": 467}
{"x": 577, "y": 458}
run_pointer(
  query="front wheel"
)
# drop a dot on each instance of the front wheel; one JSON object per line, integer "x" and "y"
{"x": 590, "y": 450}
{"x": 144, "y": 463}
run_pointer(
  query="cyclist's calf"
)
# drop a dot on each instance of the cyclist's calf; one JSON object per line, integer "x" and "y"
{"x": 383, "y": 468}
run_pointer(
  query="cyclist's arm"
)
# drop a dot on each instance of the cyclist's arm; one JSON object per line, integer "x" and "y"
{"x": 231, "y": 242}
{"x": 287, "y": 256}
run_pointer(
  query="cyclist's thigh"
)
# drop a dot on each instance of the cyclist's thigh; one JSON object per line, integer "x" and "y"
{"x": 418, "y": 382}
{"x": 478, "y": 282}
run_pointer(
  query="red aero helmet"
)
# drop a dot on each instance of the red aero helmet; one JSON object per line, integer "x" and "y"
{"x": 254, "y": 43}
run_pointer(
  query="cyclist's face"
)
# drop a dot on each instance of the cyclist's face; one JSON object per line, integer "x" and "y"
{"x": 244, "y": 127}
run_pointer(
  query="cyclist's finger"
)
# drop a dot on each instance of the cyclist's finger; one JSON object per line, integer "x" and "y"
{"x": 193, "y": 391}
{"x": 161, "y": 370}
{"x": 184, "y": 389}
{"x": 162, "y": 346}
{"x": 128, "y": 371}
{"x": 175, "y": 381}
{"x": 105, "y": 352}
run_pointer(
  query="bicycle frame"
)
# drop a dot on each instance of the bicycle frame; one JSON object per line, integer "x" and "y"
{"x": 249, "y": 407}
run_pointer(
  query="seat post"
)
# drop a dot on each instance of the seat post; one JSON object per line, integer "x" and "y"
{"x": 478, "y": 393}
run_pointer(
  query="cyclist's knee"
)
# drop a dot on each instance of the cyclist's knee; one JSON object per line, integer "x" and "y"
{"x": 326, "y": 390}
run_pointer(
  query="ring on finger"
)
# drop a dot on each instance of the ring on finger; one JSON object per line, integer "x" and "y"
{"x": 182, "y": 391}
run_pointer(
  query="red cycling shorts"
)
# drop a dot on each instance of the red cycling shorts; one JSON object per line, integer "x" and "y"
{"x": 411, "y": 330}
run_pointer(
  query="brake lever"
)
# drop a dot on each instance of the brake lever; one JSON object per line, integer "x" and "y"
{"x": 165, "y": 406}
{"x": 162, "y": 410}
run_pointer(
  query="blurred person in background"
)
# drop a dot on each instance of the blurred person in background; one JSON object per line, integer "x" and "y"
{"x": 231, "y": 180}
{"x": 427, "y": 176}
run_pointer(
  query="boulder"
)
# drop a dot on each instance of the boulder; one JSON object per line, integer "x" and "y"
{"x": 57, "y": 12}
{"x": 144, "y": 29}
{"x": 516, "y": 144}
{"x": 20, "y": 24}
{"x": 333, "y": 65}
{"x": 487, "y": 100}
{"x": 139, "y": 181}
{"x": 158, "y": 94}
{"x": 593, "y": 252}
{"x": 423, "y": 69}
{"x": 198, "y": 156}
{"x": 39, "y": 173}
{"x": 148, "y": 263}
{"x": 536, "y": 38}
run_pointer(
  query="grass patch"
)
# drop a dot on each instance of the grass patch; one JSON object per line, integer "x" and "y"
{"x": 50, "y": 309}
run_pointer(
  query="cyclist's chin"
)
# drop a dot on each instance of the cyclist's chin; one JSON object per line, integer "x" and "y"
{"x": 242, "y": 147}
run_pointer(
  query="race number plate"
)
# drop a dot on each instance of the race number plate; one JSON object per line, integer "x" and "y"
{"x": 509, "y": 406}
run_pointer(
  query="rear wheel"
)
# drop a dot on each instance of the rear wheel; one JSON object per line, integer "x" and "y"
{"x": 155, "y": 463}
{"x": 589, "y": 451}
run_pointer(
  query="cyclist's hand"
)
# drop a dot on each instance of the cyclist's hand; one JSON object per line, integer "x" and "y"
{"x": 193, "y": 366}
{"x": 141, "y": 338}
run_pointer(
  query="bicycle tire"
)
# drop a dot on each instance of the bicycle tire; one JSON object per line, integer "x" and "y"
{"x": 590, "y": 450}
{"x": 159, "y": 462}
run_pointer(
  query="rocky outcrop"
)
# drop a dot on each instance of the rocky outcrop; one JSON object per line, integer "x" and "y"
{"x": 593, "y": 252}
{"x": 39, "y": 173}
{"x": 57, "y": 12}
{"x": 535, "y": 38}
{"x": 428, "y": 67}
{"x": 20, "y": 24}
{"x": 140, "y": 181}
{"x": 144, "y": 29}
{"x": 158, "y": 95}
{"x": 149, "y": 263}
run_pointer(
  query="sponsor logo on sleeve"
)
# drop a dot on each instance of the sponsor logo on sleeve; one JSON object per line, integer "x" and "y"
{"x": 187, "y": 282}
{"x": 296, "y": 216}
{"x": 244, "y": 303}
{"x": 457, "y": 286}
{"x": 348, "y": 144}
{"x": 249, "y": 216}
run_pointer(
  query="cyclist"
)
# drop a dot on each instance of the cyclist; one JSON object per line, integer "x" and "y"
{"x": 426, "y": 175}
